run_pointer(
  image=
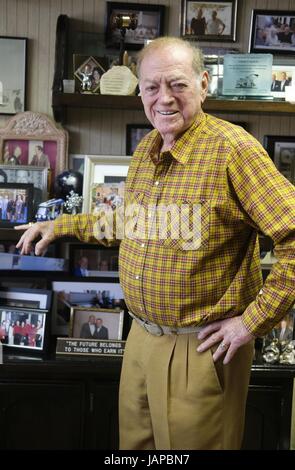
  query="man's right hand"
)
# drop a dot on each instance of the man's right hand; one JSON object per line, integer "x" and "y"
{"x": 45, "y": 230}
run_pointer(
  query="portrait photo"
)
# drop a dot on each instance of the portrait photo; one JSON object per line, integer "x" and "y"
{"x": 97, "y": 324}
{"x": 16, "y": 204}
{"x": 282, "y": 151}
{"x": 282, "y": 76}
{"x": 272, "y": 31}
{"x": 209, "y": 21}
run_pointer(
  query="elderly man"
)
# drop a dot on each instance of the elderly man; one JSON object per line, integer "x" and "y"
{"x": 198, "y": 191}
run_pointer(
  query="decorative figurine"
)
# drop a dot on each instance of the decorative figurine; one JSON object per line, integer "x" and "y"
{"x": 271, "y": 353}
{"x": 67, "y": 181}
{"x": 49, "y": 210}
{"x": 73, "y": 203}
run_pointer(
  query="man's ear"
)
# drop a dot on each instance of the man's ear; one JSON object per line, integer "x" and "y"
{"x": 204, "y": 83}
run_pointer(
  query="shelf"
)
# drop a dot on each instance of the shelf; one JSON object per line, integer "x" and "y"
{"x": 62, "y": 101}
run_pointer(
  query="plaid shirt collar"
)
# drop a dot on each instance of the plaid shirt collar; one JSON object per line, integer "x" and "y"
{"x": 179, "y": 150}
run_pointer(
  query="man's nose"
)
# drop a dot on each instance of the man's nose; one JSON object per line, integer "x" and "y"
{"x": 165, "y": 94}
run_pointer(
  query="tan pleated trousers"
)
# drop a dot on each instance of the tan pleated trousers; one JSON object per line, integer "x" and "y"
{"x": 174, "y": 398}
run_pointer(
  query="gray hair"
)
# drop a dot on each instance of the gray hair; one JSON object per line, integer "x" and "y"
{"x": 153, "y": 46}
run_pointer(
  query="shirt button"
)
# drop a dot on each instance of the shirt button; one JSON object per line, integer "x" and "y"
{"x": 157, "y": 183}
{"x": 136, "y": 277}
{"x": 142, "y": 245}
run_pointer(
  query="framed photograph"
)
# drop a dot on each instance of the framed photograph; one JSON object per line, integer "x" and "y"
{"x": 147, "y": 21}
{"x": 76, "y": 162}
{"x": 282, "y": 151}
{"x": 134, "y": 134}
{"x": 87, "y": 74}
{"x": 93, "y": 261}
{"x": 17, "y": 204}
{"x": 38, "y": 176}
{"x": 100, "y": 170}
{"x": 96, "y": 323}
{"x": 209, "y": 21}
{"x": 272, "y": 31}
{"x": 26, "y": 298}
{"x": 282, "y": 76}
{"x": 278, "y": 344}
{"x": 13, "y": 57}
{"x": 23, "y": 330}
{"x": 34, "y": 139}
{"x": 106, "y": 294}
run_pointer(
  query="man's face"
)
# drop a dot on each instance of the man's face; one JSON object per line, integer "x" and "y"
{"x": 169, "y": 90}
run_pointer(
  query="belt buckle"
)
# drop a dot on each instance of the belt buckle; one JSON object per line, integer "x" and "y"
{"x": 153, "y": 329}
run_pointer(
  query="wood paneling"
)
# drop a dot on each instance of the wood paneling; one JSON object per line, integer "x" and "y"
{"x": 98, "y": 131}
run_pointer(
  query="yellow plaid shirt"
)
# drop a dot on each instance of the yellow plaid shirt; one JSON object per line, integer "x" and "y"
{"x": 220, "y": 168}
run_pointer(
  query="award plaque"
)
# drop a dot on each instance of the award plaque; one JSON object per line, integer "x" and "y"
{"x": 247, "y": 75}
{"x": 119, "y": 80}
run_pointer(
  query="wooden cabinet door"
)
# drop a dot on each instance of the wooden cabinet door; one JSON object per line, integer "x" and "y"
{"x": 41, "y": 415}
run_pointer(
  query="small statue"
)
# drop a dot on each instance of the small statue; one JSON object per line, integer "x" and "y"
{"x": 288, "y": 353}
{"x": 86, "y": 78}
{"x": 271, "y": 353}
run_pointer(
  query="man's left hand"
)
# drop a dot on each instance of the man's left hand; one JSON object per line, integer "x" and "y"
{"x": 231, "y": 333}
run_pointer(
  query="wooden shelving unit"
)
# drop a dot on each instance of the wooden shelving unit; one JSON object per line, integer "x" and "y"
{"x": 62, "y": 101}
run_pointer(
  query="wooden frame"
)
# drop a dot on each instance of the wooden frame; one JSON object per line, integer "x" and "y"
{"x": 150, "y": 24}
{"x": 109, "y": 321}
{"x": 102, "y": 169}
{"x": 13, "y": 58}
{"x": 271, "y": 31}
{"x": 282, "y": 151}
{"x": 26, "y": 131}
{"x": 209, "y": 21}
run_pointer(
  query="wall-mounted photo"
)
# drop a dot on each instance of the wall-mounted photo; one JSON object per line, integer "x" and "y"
{"x": 34, "y": 139}
{"x": 282, "y": 151}
{"x": 16, "y": 206}
{"x": 134, "y": 134}
{"x": 97, "y": 324}
{"x": 209, "y": 21}
{"x": 87, "y": 72}
{"x": 137, "y": 22}
{"x": 272, "y": 31}
{"x": 282, "y": 76}
{"x": 12, "y": 74}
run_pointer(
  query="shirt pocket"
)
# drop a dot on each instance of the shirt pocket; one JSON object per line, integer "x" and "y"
{"x": 134, "y": 212}
{"x": 184, "y": 225}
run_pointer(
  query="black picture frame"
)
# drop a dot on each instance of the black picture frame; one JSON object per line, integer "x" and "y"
{"x": 39, "y": 299}
{"x": 14, "y": 213}
{"x": 150, "y": 24}
{"x": 101, "y": 261}
{"x": 269, "y": 32}
{"x": 24, "y": 331}
{"x": 281, "y": 149}
{"x": 134, "y": 134}
{"x": 206, "y": 28}
{"x": 13, "y": 63}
